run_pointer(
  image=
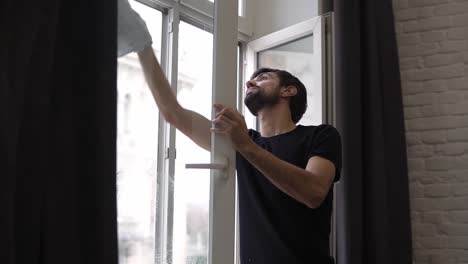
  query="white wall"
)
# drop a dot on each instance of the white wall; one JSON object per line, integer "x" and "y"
{"x": 433, "y": 47}
{"x": 272, "y": 15}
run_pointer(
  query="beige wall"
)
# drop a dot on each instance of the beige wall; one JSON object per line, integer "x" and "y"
{"x": 272, "y": 15}
{"x": 432, "y": 39}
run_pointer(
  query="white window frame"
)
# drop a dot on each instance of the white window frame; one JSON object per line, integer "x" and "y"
{"x": 222, "y": 247}
{"x": 222, "y": 197}
{"x": 313, "y": 26}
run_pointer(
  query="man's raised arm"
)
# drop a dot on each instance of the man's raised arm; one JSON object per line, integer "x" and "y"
{"x": 192, "y": 124}
{"x": 133, "y": 36}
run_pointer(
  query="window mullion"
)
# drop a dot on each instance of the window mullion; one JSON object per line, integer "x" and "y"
{"x": 162, "y": 176}
{"x": 165, "y": 201}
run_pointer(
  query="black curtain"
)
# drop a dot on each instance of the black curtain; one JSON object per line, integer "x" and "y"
{"x": 373, "y": 218}
{"x": 58, "y": 129}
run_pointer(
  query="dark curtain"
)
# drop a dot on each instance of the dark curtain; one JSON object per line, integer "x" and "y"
{"x": 373, "y": 218}
{"x": 58, "y": 129}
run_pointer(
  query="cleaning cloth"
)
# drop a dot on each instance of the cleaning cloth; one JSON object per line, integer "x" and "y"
{"x": 133, "y": 35}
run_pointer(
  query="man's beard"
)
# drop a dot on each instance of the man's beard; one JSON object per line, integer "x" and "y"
{"x": 257, "y": 101}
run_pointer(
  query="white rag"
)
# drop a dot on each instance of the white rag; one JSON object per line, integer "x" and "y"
{"x": 133, "y": 35}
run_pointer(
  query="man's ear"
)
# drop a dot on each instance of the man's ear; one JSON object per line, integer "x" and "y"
{"x": 289, "y": 91}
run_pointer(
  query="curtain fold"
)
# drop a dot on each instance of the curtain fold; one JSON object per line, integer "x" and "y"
{"x": 58, "y": 114}
{"x": 373, "y": 217}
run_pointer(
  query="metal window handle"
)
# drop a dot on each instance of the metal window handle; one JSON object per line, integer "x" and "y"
{"x": 212, "y": 166}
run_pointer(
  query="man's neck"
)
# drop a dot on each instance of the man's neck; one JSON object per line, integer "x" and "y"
{"x": 275, "y": 121}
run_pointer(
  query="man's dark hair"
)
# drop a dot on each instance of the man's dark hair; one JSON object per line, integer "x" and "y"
{"x": 297, "y": 103}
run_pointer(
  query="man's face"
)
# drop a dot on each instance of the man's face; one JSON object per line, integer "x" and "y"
{"x": 262, "y": 91}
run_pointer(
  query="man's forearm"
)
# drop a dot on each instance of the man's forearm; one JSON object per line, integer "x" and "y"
{"x": 298, "y": 183}
{"x": 158, "y": 84}
{"x": 192, "y": 124}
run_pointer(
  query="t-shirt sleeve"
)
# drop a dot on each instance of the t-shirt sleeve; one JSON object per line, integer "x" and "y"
{"x": 326, "y": 143}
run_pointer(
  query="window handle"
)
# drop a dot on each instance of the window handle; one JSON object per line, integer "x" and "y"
{"x": 211, "y": 166}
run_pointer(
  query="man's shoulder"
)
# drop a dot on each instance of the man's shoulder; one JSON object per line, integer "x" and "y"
{"x": 317, "y": 127}
{"x": 315, "y": 130}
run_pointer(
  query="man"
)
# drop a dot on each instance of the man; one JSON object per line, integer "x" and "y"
{"x": 285, "y": 171}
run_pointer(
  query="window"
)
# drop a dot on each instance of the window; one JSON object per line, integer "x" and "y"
{"x": 192, "y": 187}
{"x": 163, "y": 208}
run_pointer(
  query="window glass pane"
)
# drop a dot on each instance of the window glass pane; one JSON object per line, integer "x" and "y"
{"x": 137, "y": 134}
{"x": 297, "y": 58}
{"x": 191, "y": 186}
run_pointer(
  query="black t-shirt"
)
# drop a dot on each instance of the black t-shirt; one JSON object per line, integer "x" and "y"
{"x": 274, "y": 227}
